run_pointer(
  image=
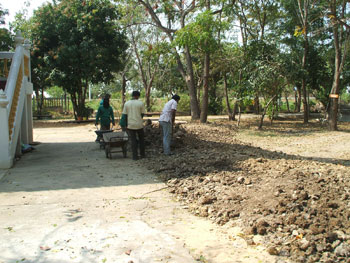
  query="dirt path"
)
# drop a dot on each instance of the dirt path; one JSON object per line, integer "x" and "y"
{"x": 300, "y": 140}
{"x": 65, "y": 202}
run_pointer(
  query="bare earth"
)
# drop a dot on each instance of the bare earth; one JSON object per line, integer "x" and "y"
{"x": 230, "y": 195}
{"x": 65, "y": 202}
{"x": 289, "y": 183}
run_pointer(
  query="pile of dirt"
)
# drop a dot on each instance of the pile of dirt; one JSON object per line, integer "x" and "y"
{"x": 300, "y": 205}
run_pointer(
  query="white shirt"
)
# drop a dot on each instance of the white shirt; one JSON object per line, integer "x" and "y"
{"x": 134, "y": 109}
{"x": 167, "y": 111}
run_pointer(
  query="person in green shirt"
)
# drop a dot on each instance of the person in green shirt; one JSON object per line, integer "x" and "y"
{"x": 105, "y": 115}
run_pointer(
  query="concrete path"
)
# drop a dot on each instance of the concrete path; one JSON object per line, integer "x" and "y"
{"x": 65, "y": 202}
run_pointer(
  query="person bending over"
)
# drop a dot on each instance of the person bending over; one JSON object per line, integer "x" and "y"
{"x": 167, "y": 120}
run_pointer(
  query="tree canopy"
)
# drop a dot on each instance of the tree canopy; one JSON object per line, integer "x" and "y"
{"x": 213, "y": 51}
{"x": 78, "y": 43}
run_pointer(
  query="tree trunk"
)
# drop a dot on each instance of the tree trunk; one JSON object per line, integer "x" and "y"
{"x": 299, "y": 98}
{"x": 187, "y": 75}
{"x": 304, "y": 7}
{"x": 148, "y": 99}
{"x": 256, "y": 104}
{"x": 334, "y": 103}
{"x": 39, "y": 101}
{"x": 229, "y": 111}
{"x": 273, "y": 111}
{"x": 239, "y": 115}
{"x": 124, "y": 80}
{"x": 295, "y": 100}
{"x": 305, "y": 104}
{"x": 195, "y": 111}
{"x": 235, "y": 108}
{"x": 264, "y": 112}
{"x": 333, "y": 114}
{"x": 341, "y": 38}
{"x": 303, "y": 82}
{"x": 205, "y": 97}
{"x": 204, "y": 110}
{"x": 287, "y": 102}
{"x": 74, "y": 104}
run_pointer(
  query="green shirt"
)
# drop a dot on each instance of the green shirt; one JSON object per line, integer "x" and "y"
{"x": 105, "y": 115}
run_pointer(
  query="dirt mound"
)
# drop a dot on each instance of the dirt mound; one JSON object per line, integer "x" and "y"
{"x": 300, "y": 205}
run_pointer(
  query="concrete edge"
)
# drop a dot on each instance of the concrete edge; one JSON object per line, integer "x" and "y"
{"x": 3, "y": 173}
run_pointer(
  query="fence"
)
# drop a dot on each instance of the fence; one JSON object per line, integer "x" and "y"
{"x": 62, "y": 105}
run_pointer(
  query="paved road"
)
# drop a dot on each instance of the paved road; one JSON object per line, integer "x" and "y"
{"x": 65, "y": 202}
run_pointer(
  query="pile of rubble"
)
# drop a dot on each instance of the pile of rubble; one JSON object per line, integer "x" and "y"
{"x": 300, "y": 205}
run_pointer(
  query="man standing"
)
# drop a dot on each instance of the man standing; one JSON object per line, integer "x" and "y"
{"x": 133, "y": 111}
{"x": 167, "y": 120}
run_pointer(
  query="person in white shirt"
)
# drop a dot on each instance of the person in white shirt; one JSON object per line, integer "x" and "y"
{"x": 166, "y": 120}
{"x": 134, "y": 110}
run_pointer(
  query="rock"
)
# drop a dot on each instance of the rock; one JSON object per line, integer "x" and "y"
{"x": 251, "y": 230}
{"x": 284, "y": 253}
{"x": 240, "y": 180}
{"x": 331, "y": 237}
{"x": 261, "y": 230}
{"x": 336, "y": 243}
{"x": 302, "y": 204}
{"x": 203, "y": 211}
{"x": 295, "y": 233}
{"x": 273, "y": 251}
{"x": 303, "y": 196}
{"x": 340, "y": 235}
{"x": 304, "y": 244}
{"x": 248, "y": 181}
{"x": 320, "y": 248}
{"x": 343, "y": 250}
{"x": 204, "y": 200}
{"x": 261, "y": 223}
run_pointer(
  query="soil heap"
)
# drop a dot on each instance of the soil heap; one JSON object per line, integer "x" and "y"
{"x": 300, "y": 205}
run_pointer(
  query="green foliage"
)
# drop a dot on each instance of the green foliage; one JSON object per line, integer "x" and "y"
{"x": 6, "y": 38}
{"x": 55, "y": 92}
{"x": 264, "y": 71}
{"x": 215, "y": 106}
{"x": 345, "y": 97}
{"x": 247, "y": 104}
{"x": 78, "y": 42}
{"x": 22, "y": 22}
{"x": 201, "y": 34}
{"x": 184, "y": 103}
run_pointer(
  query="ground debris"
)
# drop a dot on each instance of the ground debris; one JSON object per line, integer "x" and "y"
{"x": 300, "y": 205}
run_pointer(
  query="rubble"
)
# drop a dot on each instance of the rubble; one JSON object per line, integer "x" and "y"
{"x": 300, "y": 206}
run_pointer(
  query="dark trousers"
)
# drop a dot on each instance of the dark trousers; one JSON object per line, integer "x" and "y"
{"x": 134, "y": 142}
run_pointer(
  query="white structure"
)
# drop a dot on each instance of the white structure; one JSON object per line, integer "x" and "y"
{"x": 16, "y": 117}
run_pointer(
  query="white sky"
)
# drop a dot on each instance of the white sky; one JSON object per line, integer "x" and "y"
{"x": 13, "y": 6}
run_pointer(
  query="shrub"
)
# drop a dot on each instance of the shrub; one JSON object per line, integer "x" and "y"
{"x": 184, "y": 104}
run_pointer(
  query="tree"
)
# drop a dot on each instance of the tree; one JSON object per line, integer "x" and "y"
{"x": 6, "y": 40}
{"x": 147, "y": 52}
{"x": 258, "y": 21}
{"x": 175, "y": 14}
{"x": 338, "y": 12}
{"x": 81, "y": 43}
{"x": 200, "y": 37}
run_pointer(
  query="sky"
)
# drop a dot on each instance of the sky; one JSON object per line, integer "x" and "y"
{"x": 13, "y": 6}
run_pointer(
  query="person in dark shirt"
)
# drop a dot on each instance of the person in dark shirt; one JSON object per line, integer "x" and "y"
{"x": 108, "y": 96}
{"x": 105, "y": 116}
